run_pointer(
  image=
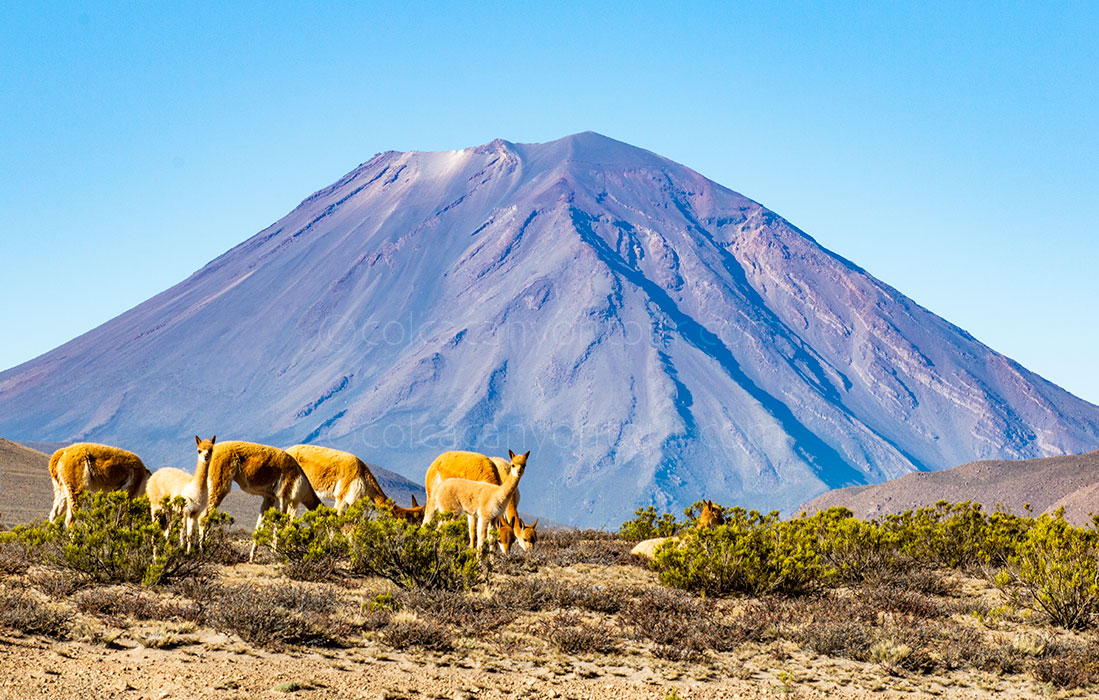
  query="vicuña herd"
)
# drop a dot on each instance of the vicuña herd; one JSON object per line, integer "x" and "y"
{"x": 483, "y": 488}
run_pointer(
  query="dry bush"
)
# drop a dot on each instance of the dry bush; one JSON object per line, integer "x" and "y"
{"x": 568, "y": 633}
{"x": 846, "y": 638}
{"x": 531, "y": 594}
{"x": 538, "y": 593}
{"x": 891, "y": 599}
{"x": 407, "y": 631}
{"x": 570, "y": 547}
{"x": 371, "y": 620}
{"x": 470, "y": 614}
{"x": 681, "y": 626}
{"x": 21, "y": 612}
{"x": 57, "y": 583}
{"x": 964, "y": 647}
{"x": 760, "y": 620}
{"x": 922, "y": 579}
{"x": 115, "y": 605}
{"x": 277, "y": 615}
{"x": 13, "y": 559}
{"x": 1068, "y": 664}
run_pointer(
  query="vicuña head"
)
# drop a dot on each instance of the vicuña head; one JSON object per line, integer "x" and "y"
{"x": 515, "y": 531}
{"x": 205, "y": 451}
{"x": 518, "y": 463}
{"x": 526, "y": 535}
{"x": 711, "y": 515}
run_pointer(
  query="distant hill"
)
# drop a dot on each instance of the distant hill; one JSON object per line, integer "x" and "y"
{"x": 1047, "y": 483}
{"x": 26, "y": 493}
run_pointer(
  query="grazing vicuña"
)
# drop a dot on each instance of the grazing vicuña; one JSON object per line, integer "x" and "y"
{"x": 89, "y": 466}
{"x": 346, "y": 478}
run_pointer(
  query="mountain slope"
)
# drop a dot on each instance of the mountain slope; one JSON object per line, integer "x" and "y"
{"x": 650, "y": 335}
{"x": 1045, "y": 484}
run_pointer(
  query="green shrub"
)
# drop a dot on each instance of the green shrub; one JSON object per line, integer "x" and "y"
{"x": 856, "y": 550}
{"x": 956, "y": 535}
{"x": 751, "y": 553}
{"x": 430, "y": 556}
{"x": 646, "y": 524}
{"x": 1055, "y": 570}
{"x": 309, "y": 547}
{"x": 113, "y": 539}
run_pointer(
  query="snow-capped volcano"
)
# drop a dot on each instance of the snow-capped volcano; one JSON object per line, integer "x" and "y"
{"x": 650, "y": 336}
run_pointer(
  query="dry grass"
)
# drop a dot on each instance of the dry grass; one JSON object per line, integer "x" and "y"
{"x": 924, "y": 627}
{"x": 22, "y": 612}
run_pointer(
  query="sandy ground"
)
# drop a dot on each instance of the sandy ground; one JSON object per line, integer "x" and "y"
{"x": 218, "y": 667}
{"x": 510, "y": 663}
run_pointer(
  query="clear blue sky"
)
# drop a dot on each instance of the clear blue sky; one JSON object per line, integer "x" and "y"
{"x": 951, "y": 149}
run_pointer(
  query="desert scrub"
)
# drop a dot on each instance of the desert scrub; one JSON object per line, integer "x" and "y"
{"x": 118, "y": 605}
{"x": 429, "y": 556}
{"x": 956, "y": 536}
{"x": 470, "y": 614}
{"x": 751, "y": 553}
{"x": 277, "y": 615}
{"x": 407, "y": 630}
{"x": 680, "y": 626}
{"x": 646, "y": 524}
{"x": 311, "y": 547}
{"x": 1055, "y": 570}
{"x": 21, "y": 612}
{"x": 1068, "y": 665}
{"x": 568, "y": 633}
{"x": 113, "y": 539}
{"x": 855, "y": 550}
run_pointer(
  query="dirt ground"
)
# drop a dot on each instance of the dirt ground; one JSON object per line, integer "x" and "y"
{"x": 161, "y": 660}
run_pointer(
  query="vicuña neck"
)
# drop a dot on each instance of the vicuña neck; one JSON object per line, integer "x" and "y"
{"x": 201, "y": 470}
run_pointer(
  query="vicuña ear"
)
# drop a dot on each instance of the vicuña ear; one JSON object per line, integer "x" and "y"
{"x": 511, "y": 455}
{"x": 414, "y": 503}
{"x": 197, "y": 440}
{"x": 534, "y": 524}
{"x": 526, "y": 454}
{"x": 213, "y": 439}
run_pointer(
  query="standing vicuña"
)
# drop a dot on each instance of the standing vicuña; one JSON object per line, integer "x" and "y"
{"x": 473, "y": 466}
{"x": 169, "y": 483}
{"x": 482, "y": 503}
{"x": 89, "y": 466}
{"x": 346, "y": 478}
{"x": 260, "y": 470}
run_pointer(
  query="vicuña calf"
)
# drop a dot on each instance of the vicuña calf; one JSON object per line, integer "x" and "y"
{"x": 260, "y": 470}
{"x": 89, "y": 466}
{"x": 169, "y": 483}
{"x": 346, "y": 478}
{"x": 481, "y": 502}
{"x": 473, "y": 466}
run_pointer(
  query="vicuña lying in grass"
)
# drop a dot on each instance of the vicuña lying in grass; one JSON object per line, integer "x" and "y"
{"x": 711, "y": 516}
{"x": 260, "y": 470}
{"x": 88, "y": 466}
{"x": 346, "y": 478}
{"x": 481, "y": 502}
{"x": 169, "y": 483}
